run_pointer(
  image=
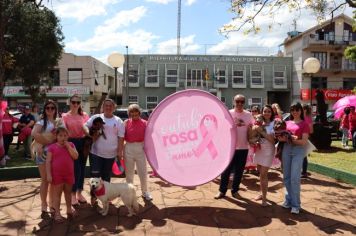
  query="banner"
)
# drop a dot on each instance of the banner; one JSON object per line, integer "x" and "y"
{"x": 190, "y": 138}
{"x": 330, "y": 94}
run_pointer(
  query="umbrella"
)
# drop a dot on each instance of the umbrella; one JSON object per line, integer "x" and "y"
{"x": 345, "y": 101}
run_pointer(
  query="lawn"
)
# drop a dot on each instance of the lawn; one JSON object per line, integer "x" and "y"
{"x": 337, "y": 158}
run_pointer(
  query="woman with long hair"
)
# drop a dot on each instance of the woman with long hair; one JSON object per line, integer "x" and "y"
{"x": 292, "y": 155}
{"x": 264, "y": 156}
{"x": 74, "y": 120}
{"x": 277, "y": 110}
{"x": 45, "y": 125}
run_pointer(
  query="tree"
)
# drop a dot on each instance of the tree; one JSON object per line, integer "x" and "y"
{"x": 35, "y": 43}
{"x": 247, "y": 11}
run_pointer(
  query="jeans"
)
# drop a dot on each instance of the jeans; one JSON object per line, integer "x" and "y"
{"x": 292, "y": 156}
{"x": 7, "y": 141}
{"x": 345, "y": 136}
{"x": 79, "y": 165}
{"x": 305, "y": 165}
{"x": 101, "y": 167}
{"x": 27, "y": 146}
{"x": 353, "y": 138}
{"x": 237, "y": 166}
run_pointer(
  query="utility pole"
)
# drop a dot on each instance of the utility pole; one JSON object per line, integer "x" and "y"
{"x": 178, "y": 25}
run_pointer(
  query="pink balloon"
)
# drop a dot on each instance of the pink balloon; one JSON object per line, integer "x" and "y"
{"x": 190, "y": 138}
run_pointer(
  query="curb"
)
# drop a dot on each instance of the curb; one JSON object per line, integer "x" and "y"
{"x": 335, "y": 174}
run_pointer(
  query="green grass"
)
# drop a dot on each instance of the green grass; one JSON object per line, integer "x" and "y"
{"x": 17, "y": 158}
{"x": 337, "y": 158}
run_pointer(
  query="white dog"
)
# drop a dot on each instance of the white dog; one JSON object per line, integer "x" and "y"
{"x": 107, "y": 192}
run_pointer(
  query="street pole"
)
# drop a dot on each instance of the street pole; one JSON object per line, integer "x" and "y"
{"x": 127, "y": 77}
{"x": 115, "y": 68}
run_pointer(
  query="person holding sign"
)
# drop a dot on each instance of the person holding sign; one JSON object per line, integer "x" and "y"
{"x": 135, "y": 128}
{"x": 243, "y": 119}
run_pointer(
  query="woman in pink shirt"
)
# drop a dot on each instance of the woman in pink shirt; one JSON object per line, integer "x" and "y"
{"x": 7, "y": 132}
{"x": 135, "y": 128}
{"x": 292, "y": 155}
{"x": 74, "y": 120}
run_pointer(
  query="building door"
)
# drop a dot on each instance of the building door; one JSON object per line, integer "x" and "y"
{"x": 282, "y": 98}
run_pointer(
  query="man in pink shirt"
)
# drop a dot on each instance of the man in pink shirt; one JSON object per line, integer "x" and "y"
{"x": 242, "y": 120}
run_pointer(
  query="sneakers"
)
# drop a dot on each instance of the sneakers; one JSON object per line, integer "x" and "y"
{"x": 286, "y": 205}
{"x": 219, "y": 195}
{"x": 147, "y": 196}
{"x": 7, "y": 157}
{"x": 294, "y": 210}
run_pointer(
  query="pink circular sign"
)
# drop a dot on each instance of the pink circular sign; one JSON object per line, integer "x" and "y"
{"x": 190, "y": 138}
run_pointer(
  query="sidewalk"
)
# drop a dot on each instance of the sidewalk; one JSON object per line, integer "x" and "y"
{"x": 328, "y": 208}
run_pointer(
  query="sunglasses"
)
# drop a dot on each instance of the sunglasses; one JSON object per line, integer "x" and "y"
{"x": 240, "y": 101}
{"x": 253, "y": 111}
{"x": 50, "y": 108}
{"x": 75, "y": 102}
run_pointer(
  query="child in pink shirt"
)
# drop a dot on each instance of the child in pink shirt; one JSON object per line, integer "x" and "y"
{"x": 60, "y": 171}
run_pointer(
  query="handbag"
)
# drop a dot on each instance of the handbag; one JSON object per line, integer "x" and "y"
{"x": 118, "y": 167}
{"x": 309, "y": 147}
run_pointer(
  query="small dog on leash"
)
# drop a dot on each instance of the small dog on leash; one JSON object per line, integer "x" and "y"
{"x": 106, "y": 192}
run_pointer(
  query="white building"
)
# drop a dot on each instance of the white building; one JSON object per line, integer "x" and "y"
{"x": 327, "y": 42}
{"x": 83, "y": 75}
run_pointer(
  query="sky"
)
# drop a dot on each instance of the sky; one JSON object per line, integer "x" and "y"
{"x": 100, "y": 27}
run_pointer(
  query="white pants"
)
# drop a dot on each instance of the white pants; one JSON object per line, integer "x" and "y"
{"x": 134, "y": 153}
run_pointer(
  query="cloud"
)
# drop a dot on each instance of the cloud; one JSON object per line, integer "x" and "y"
{"x": 170, "y": 46}
{"x": 187, "y": 2}
{"x": 79, "y": 9}
{"x": 138, "y": 41}
{"x": 108, "y": 36}
{"x": 121, "y": 19}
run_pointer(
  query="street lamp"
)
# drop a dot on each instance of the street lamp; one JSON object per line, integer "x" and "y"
{"x": 311, "y": 66}
{"x": 116, "y": 60}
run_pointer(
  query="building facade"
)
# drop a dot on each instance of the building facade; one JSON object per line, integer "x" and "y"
{"x": 326, "y": 42}
{"x": 261, "y": 79}
{"x": 83, "y": 75}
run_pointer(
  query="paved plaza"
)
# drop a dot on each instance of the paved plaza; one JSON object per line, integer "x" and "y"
{"x": 328, "y": 208}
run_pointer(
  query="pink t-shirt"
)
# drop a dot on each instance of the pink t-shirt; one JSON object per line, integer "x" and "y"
{"x": 75, "y": 123}
{"x": 7, "y": 122}
{"x": 135, "y": 130}
{"x": 242, "y": 120}
{"x": 298, "y": 129}
{"x": 62, "y": 164}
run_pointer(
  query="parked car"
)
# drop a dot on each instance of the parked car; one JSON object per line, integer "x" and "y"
{"x": 122, "y": 113}
{"x": 334, "y": 124}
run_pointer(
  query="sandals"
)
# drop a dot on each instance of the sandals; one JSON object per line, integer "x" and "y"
{"x": 58, "y": 218}
{"x": 72, "y": 214}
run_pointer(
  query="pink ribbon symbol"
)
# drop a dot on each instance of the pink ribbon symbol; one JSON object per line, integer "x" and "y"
{"x": 208, "y": 127}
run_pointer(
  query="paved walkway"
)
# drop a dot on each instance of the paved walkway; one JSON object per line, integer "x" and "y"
{"x": 328, "y": 208}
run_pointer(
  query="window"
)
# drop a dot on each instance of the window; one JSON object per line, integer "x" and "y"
{"x": 349, "y": 83}
{"x": 133, "y": 99}
{"x": 152, "y": 76}
{"x": 151, "y": 102}
{"x": 54, "y": 77}
{"x": 279, "y": 80}
{"x": 238, "y": 77}
{"x": 221, "y": 76}
{"x": 322, "y": 57}
{"x": 223, "y": 99}
{"x": 349, "y": 65}
{"x": 195, "y": 78}
{"x": 133, "y": 76}
{"x": 75, "y": 76}
{"x": 104, "y": 79}
{"x": 172, "y": 76}
{"x": 255, "y": 102}
{"x": 256, "y": 77}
